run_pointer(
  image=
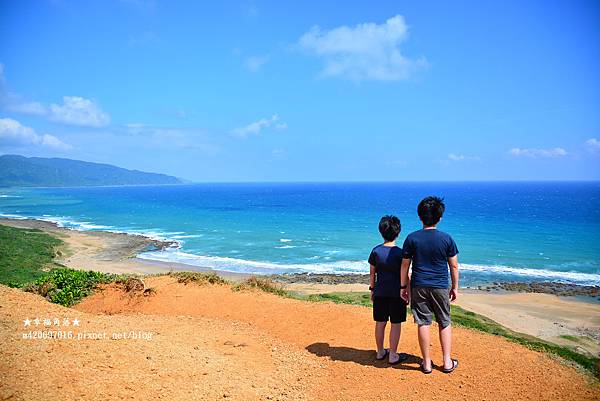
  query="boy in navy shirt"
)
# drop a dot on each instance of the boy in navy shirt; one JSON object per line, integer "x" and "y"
{"x": 432, "y": 253}
{"x": 385, "y": 262}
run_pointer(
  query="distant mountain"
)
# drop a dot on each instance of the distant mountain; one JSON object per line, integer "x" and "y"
{"x": 43, "y": 172}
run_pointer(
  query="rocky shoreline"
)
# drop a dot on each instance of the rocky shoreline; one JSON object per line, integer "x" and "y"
{"x": 554, "y": 288}
{"x": 320, "y": 278}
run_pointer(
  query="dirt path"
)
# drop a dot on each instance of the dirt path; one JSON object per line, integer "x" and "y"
{"x": 213, "y": 343}
{"x": 185, "y": 358}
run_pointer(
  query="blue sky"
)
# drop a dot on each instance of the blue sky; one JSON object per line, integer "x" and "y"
{"x": 306, "y": 91}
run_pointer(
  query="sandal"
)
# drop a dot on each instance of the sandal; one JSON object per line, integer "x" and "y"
{"x": 427, "y": 372}
{"x": 454, "y": 366}
{"x": 385, "y": 353}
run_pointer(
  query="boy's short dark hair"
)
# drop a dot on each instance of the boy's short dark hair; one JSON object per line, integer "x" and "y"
{"x": 431, "y": 210}
{"x": 389, "y": 227}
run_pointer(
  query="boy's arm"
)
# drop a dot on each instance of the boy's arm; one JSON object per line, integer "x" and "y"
{"x": 453, "y": 263}
{"x": 404, "y": 280}
{"x": 371, "y": 279}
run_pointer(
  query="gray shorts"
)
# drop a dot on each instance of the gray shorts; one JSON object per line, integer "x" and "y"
{"x": 426, "y": 302}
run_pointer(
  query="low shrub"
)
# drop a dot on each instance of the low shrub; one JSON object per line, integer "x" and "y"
{"x": 199, "y": 278}
{"x": 68, "y": 286}
{"x": 262, "y": 284}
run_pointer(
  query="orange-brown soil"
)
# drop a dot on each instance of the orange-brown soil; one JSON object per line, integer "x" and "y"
{"x": 210, "y": 342}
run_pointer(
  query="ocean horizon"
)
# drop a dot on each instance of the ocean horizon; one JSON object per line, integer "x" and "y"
{"x": 505, "y": 231}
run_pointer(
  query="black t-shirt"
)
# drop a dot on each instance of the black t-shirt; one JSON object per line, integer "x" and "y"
{"x": 387, "y": 261}
{"x": 429, "y": 251}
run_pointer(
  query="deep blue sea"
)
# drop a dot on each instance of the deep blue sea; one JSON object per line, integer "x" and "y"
{"x": 504, "y": 231}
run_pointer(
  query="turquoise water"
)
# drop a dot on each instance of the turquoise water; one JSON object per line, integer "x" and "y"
{"x": 505, "y": 231}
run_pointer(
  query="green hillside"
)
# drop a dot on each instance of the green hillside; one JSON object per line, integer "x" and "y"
{"x": 43, "y": 172}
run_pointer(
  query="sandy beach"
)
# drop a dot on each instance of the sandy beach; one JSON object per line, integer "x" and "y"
{"x": 559, "y": 320}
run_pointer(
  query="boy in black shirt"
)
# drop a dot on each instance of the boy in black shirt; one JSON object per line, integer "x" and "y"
{"x": 385, "y": 261}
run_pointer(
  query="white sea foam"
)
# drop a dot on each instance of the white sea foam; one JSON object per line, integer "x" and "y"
{"x": 567, "y": 276}
{"x": 187, "y": 236}
{"x": 153, "y": 233}
{"x": 241, "y": 265}
{"x": 285, "y": 240}
{"x": 13, "y": 216}
{"x": 9, "y": 196}
{"x": 67, "y": 222}
{"x": 286, "y": 247}
{"x": 350, "y": 267}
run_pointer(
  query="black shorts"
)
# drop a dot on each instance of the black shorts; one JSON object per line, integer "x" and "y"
{"x": 389, "y": 308}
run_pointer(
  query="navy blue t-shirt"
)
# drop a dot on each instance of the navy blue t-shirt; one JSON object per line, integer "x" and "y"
{"x": 429, "y": 251}
{"x": 387, "y": 261}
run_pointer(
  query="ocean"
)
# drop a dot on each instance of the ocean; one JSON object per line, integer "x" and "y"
{"x": 519, "y": 231}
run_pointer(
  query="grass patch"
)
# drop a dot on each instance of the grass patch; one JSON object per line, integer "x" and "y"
{"x": 570, "y": 338}
{"x": 352, "y": 298}
{"x": 263, "y": 284}
{"x": 199, "y": 278}
{"x": 27, "y": 261}
{"x": 26, "y": 255}
{"x": 68, "y": 286}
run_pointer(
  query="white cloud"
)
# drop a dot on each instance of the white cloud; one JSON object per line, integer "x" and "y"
{"x": 532, "y": 152}
{"x": 256, "y": 127}
{"x": 74, "y": 110}
{"x": 460, "y": 157}
{"x": 593, "y": 145}
{"x": 77, "y": 110}
{"x": 366, "y": 51}
{"x": 12, "y": 133}
{"x": 255, "y": 63}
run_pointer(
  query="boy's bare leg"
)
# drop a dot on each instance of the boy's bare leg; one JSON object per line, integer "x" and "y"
{"x": 395, "y": 331}
{"x": 424, "y": 341}
{"x": 446, "y": 341}
{"x": 379, "y": 337}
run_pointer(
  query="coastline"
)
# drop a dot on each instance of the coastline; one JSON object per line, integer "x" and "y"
{"x": 572, "y": 320}
{"x": 110, "y": 252}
